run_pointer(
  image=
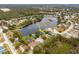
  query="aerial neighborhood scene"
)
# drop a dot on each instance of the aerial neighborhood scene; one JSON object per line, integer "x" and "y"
{"x": 39, "y": 28}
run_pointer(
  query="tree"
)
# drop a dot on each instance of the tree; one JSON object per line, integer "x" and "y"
{"x": 12, "y": 40}
{"x": 38, "y": 49}
{"x": 24, "y": 40}
{"x": 59, "y": 19}
{"x": 17, "y": 44}
{"x": 39, "y": 18}
{"x": 58, "y": 44}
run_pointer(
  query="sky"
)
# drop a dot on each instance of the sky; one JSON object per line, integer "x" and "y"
{"x": 39, "y": 2}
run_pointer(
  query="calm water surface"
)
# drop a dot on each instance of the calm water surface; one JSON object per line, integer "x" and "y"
{"x": 45, "y": 23}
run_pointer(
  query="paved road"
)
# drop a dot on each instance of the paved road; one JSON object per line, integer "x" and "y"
{"x": 13, "y": 50}
{"x": 69, "y": 29}
{"x": 66, "y": 31}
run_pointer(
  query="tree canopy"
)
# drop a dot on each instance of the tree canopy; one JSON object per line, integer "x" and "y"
{"x": 58, "y": 44}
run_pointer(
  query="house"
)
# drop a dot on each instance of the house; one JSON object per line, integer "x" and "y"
{"x": 1, "y": 30}
{"x": 1, "y": 38}
{"x": 61, "y": 28}
{"x": 30, "y": 40}
{"x": 5, "y": 27}
{"x": 76, "y": 27}
{"x": 39, "y": 40}
{"x": 23, "y": 48}
{"x": 33, "y": 44}
{"x": 10, "y": 34}
{"x": 49, "y": 29}
{"x": 45, "y": 36}
{"x": 74, "y": 33}
{"x": 16, "y": 39}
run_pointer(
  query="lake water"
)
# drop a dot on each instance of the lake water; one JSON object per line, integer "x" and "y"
{"x": 45, "y": 23}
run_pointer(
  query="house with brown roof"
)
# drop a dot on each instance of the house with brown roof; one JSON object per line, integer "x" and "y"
{"x": 23, "y": 48}
{"x": 33, "y": 44}
{"x": 10, "y": 34}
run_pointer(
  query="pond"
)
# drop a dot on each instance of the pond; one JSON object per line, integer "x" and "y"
{"x": 43, "y": 24}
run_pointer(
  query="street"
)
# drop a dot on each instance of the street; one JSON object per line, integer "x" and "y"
{"x": 12, "y": 48}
